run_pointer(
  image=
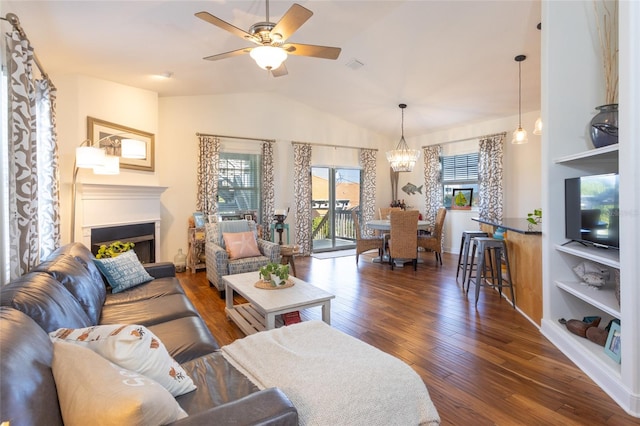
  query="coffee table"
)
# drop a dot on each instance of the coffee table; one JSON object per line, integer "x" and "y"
{"x": 260, "y": 313}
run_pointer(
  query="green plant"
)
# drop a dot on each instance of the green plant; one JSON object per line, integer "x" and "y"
{"x": 535, "y": 217}
{"x": 271, "y": 269}
{"x": 113, "y": 249}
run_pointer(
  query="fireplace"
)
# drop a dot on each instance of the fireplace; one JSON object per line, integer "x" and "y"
{"x": 107, "y": 213}
{"x": 142, "y": 235}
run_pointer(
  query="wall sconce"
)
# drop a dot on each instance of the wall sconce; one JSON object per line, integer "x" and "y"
{"x": 89, "y": 156}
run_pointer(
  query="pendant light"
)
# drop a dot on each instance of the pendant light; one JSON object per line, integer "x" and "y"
{"x": 402, "y": 159}
{"x": 520, "y": 135}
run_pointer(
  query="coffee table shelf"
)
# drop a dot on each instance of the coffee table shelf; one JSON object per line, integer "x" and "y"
{"x": 265, "y": 305}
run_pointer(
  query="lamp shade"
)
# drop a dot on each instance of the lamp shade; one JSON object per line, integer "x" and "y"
{"x": 111, "y": 166}
{"x": 133, "y": 148}
{"x": 268, "y": 57}
{"x": 89, "y": 157}
{"x": 519, "y": 136}
{"x": 537, "y": 128}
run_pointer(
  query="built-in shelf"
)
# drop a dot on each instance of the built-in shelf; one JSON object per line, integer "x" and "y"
{"x": 608, "y": 257}
{"x": 582, "y": 350}
{"x": 603, "y": 298}
{"x": 606, "y": 153}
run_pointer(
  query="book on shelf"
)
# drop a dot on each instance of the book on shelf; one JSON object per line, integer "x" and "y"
{"x": 291, "y": 318}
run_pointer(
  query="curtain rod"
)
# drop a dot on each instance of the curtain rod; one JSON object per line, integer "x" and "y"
{"x": 468, "y": 139}
{"x": 12, "y": 18}
{"x": 235, "y": 137}
{"x": 331, "y": 146}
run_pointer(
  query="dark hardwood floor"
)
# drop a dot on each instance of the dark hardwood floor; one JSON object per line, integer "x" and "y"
{"x": 482, "y": 366}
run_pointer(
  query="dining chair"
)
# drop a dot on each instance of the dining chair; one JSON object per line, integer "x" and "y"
{"x": 433, "y": 241}
{"x": 403, "y": 241}
{"x": 364, "y": 244}
{"x": 383, "y": 214}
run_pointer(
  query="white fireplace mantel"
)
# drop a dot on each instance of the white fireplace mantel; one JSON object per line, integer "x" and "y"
{"x": 101, "y": 206}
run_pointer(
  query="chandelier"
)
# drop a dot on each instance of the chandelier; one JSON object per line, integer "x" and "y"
{"x": 403, "y": 159}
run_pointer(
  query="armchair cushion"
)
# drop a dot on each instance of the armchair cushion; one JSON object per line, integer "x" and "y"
{"x": 241, "y": 244}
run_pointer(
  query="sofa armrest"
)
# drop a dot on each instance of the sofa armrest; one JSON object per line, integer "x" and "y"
{"x": 266, "y": 407}
{"x": 161, "y": 269}
{"x": 270, "y": 250}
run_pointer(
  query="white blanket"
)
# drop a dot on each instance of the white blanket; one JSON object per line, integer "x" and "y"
{"x": 333, "y": 378}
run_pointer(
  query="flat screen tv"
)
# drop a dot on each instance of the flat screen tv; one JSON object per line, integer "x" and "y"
{"x": 592, "y": 210}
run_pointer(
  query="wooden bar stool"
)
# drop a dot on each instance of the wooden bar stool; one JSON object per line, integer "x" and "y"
{"x": 463, "y": 256}
{"x": 489, "y": 273}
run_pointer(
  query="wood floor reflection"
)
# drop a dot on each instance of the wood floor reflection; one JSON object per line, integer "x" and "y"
{"x": 482, "y": 366}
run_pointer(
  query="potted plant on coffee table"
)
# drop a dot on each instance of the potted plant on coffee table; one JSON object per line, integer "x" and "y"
{"x": 275, "y": 273}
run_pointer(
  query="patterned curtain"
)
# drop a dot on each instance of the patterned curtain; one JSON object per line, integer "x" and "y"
{"x": 432, "y": 182}
{"x": 27, "y": 242}
{"x": 268, "y": 190}
{"x": 48, "y": 168}
{"x": 302, "y": 196}
{"x": 208, "y": 171}
{"x": 490, "y": 177}
{"x": 368, "y": 191}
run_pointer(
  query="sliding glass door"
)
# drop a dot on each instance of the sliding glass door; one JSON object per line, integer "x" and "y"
{"x": 334, "y": 192}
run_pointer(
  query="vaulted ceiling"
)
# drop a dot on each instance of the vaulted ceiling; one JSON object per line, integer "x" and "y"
{"x": 451, "y": 61}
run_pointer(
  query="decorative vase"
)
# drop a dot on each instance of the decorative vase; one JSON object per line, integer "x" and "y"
{"x": 180, "y": 261}
{"x": 604, "y": 126}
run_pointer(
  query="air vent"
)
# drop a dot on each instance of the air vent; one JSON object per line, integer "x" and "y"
{"x": 355, "y": 64}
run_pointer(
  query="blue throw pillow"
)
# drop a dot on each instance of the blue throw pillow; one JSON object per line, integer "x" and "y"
{"x": 123, "y": 271}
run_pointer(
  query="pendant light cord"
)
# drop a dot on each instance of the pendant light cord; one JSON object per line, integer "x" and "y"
{"x": 519, "y": 60}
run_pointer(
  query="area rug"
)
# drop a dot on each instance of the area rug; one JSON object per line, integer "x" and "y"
{"x": 333, "y": 378}
{"x": 334, "y": 254}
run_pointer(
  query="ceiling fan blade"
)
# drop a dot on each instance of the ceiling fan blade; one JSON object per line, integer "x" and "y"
{"x": 228, "y": 54}
{"x": 291, "y": 21}
{"x": 324, "y": 52}
{"x": 280, "y": 71}
{"x": 206, "y": 16}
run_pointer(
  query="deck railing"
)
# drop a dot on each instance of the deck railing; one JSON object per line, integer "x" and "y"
{"x": 344, "y": 227}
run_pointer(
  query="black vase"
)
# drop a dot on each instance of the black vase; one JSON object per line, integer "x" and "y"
{"x": 604, "y": 126}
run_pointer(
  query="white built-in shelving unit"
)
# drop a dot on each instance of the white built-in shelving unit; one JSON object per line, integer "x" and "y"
{"x": 571, "y": 89}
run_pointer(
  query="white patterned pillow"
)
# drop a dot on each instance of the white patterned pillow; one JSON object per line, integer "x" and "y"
{"x": 123, "y": 271}
{"x": 133, "y": 347}
{"x": 94, "y": 391}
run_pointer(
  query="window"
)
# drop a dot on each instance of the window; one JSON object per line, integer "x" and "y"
{"x": 460, "y": 171}
{"x": 239, "y": 185}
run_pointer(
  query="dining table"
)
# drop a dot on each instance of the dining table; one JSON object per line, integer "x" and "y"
{"x": 385, "y": 225}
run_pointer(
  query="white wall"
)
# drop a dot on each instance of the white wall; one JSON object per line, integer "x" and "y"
{"x": 522, "y": 172}
{"x": 267, "y": 116}
{"x": 82, "y": 96}
{"x": 176, "y": 120}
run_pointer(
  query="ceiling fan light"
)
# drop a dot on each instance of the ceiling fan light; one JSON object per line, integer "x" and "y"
{"x": 268, "y": 57}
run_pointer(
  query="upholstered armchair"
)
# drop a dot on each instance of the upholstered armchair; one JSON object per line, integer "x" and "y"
{"x": 240, "y": 257}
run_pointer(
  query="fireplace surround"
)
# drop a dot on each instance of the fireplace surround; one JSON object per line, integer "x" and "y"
{"x": 125, "y": 209}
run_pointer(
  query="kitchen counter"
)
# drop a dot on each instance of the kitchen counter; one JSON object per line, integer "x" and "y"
{"x": 524, "y": 244}
{"x": 516, "y": 224}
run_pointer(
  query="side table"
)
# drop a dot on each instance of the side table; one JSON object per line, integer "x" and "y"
{"x": 288, "y": 255}
{"x": 196, "y": 249}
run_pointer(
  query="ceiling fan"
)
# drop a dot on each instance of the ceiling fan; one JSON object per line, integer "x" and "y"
{"x": 272, "y": 49}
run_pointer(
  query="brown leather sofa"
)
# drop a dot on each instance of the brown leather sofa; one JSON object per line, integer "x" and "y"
{"x": 67, "y": 290}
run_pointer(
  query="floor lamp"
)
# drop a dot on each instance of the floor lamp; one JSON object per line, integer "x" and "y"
{"x": 89, "y": 156}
